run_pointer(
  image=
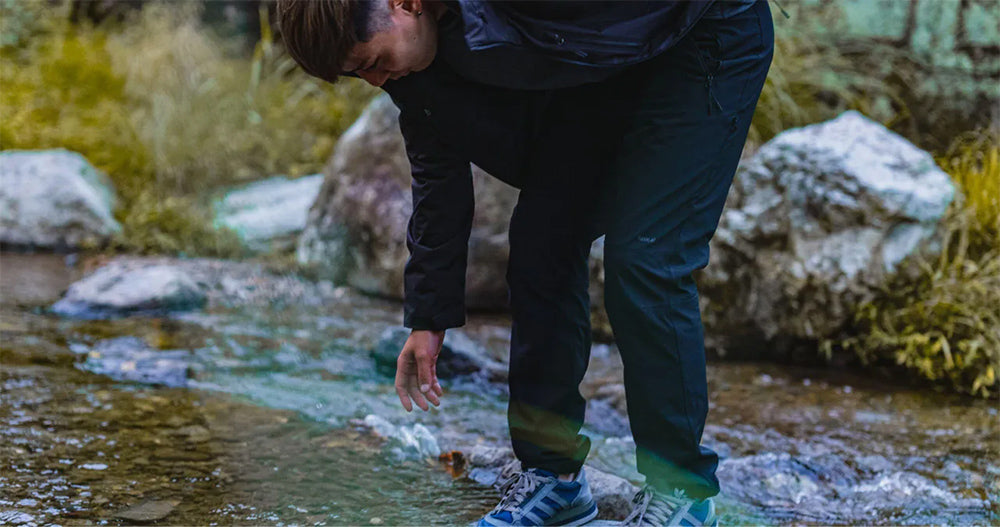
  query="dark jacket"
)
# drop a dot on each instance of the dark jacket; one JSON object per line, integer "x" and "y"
{"x": 444, "y": 132}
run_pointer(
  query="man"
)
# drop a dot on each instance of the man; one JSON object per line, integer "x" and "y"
{"x": 619, "y": 118}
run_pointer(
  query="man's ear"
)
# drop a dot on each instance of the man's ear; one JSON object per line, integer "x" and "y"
{"x": 410, "y": 6}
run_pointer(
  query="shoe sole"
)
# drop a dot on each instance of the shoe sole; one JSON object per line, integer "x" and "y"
{"x": 575, "y": 517}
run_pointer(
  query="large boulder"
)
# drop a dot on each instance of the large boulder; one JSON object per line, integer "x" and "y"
{"x": 269, "y": 214}
{"x": 131, "y": 359}
{"x": 815, "y": 223}
{"x": 54, "y": 199}
{"x": 356, "y": 231}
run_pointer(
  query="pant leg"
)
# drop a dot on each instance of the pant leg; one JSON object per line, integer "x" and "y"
{"x": 551, "y": 232}
{"x": 689, "y": 116}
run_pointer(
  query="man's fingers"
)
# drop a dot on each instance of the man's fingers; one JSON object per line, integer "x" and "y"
{"x": 404, "y": 399}
{"x": 401, "y": 380}
{"x": 432, "y": 396}
{"x": 424, "y": 364}
{"x": 418, "y": 397}
{"x": 435, "y": 385}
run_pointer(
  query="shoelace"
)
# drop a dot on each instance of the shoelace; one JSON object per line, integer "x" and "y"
{"x": 654, "y": 508}
{"x": 516, "y": 489}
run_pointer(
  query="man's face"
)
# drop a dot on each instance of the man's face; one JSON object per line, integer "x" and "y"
{"x": 409, "y": 44}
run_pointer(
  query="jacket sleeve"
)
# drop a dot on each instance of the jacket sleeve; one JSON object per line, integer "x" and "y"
{"x": 437, "y": 234}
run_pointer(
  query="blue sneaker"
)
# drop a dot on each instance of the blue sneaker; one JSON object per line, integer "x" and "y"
{"x": 655, "y": 509}
{"x": 538, "y": 497}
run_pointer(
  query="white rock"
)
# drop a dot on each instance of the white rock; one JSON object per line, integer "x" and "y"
{"x": 270, "y": 212}
{"x": 54, "y": 199}
{"x": 405, "y": 442}
{"x": 118, "y": 289}
{"x": 816, "y": 222}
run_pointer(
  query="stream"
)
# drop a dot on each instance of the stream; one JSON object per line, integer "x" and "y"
{"x": 265, "y": 427}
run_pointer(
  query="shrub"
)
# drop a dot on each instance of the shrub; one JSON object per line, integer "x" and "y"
{"x": 945, "y": 325}
{"x": 170, "y": 111}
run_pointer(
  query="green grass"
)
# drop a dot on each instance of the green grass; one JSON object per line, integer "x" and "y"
{"x": 944, "y": 324}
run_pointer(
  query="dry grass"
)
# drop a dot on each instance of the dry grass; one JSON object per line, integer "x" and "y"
{"x": 170, "y": 112}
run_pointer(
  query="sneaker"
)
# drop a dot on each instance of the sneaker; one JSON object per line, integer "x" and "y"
{"x": 654, "y": 508}
{"x": 538, "y": 497}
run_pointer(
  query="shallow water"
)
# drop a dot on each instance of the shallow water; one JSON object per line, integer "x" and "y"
{"x": 263, "y": 432}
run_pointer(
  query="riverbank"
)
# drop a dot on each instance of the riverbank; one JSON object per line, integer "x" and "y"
{"x": 284, "y": 387}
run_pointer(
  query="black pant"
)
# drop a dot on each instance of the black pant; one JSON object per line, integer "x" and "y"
{"x": 646, "y": 158}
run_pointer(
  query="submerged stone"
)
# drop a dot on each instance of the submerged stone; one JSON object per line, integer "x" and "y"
{"x": 149, "y": 511}
{"x": 405, "y": 442}
{"x": 131, "y": 359}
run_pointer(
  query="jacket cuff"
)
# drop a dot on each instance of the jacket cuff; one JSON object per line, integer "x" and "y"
{"x": 449, "y": 318}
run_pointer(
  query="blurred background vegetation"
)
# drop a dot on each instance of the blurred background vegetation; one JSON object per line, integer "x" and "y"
{"x": 169, "y": 108}
{"x": 174, "y": 109}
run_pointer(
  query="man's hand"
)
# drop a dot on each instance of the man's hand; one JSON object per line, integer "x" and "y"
{"x": 416, "y": 369}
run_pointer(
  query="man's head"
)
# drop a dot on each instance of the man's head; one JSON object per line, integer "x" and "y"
{"x": 376, "y": 39}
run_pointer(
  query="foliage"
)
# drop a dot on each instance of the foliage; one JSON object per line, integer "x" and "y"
{"x": 20, "y": 21}
{"x": 69, "y": 97}
{"x": 945, "y": 325}
{"x": 174, "y": 225}
{"x": 208, "y": 118}
{"x": 171, "y": 112}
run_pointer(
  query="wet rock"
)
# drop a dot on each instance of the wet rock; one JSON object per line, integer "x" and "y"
{"x": 269, "y": 214}
{"x": 118, "y": 289}
{"x": 486, "y": 456}
{"x": 487, "y": 463}
{"x": 459, "y": 355}
{"x": 771, "y": 480}
{"x": 16, "y": 518}
{"x": 131, "y": 359}
{"x": 603, "y": 417}
{"x": 612, "y": 494}
{"x": 614, "y": 395}
{"x": 828, "y": 485}
{"x": 816, "y": 222}
{"x": 54, "y": 199}
{"x": 405, "y": 442}
{"x": 194, "y": 433}
{"x": 148, "y": 511}
{"x": 227, "y": 283}
{"x": 615, "y": 455}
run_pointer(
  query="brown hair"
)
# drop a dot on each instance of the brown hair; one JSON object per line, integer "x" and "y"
{"x": 319, "y": 34}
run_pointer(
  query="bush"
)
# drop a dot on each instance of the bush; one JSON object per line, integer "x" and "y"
{"x": 171, "y": 112}
{"x": 945, "y": 325}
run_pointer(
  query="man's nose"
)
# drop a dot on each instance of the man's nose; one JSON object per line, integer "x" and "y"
{"x": 373, "y": 78}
